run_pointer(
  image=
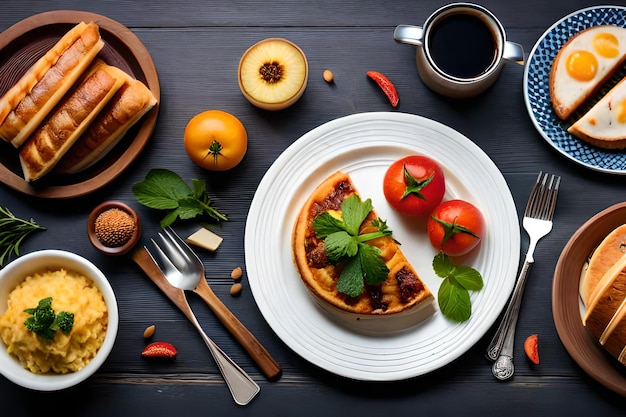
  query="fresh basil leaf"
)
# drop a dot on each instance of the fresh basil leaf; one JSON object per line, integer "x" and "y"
{"x": 169, "y": 218}
{"x": 326, "y": 224}
{"x": 338, "y": 245}
{"x": 199, "y": 188}
{"x": 468, "y": 278}
{"x": 351, "y": 278}
{"x": 161, "y": 189}
{"x": 188, "y": 208}
{"x": 374, "y": 267}
{"x": 454, "y": 301}
{"x": 354, "y": 211}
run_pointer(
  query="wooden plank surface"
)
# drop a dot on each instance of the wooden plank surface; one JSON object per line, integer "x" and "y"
{"x": 196, "y": 46}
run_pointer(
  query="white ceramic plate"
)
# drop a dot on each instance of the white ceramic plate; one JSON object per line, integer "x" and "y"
{"x": 364, "y": 145}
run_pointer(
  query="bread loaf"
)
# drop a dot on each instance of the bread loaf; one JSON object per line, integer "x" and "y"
{"x": 603, "y": 290}
{"x": 129, "y": 104}
{"x": 32, "y": 98}
{"x": 70, "y": 119}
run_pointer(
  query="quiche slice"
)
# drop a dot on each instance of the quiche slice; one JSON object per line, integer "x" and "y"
{"x": 400, "y": 291}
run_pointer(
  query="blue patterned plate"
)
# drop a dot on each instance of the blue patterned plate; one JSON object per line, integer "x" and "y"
{"x": 537, "y": 93}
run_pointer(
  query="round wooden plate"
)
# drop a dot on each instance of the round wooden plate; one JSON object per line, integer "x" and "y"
{"x": 567, "y": 306}
{"x": 23, "y": 44}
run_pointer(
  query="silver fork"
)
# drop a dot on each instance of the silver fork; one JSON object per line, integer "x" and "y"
{"x": 538, "y": 223}
{"x": 242, "y": 387}
{"x": 191, "y": 278}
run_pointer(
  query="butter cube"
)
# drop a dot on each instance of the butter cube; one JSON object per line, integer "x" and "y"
{"x": 206, "y": 239}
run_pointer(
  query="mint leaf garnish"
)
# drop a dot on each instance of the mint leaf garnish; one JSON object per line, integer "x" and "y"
{"x": 454, "y": 301}
{"x": 453, "y": 296}
{"x": 343, "y": 243}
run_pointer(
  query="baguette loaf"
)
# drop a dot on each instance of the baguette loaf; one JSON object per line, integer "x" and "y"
{"x": 70, "y": 119}
{"x": 603, "y": 289}
{"x": 32, "y": 98}
{"x": 129, "y": 104}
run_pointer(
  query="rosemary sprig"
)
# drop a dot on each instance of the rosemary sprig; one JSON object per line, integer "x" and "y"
{"x": 13, "y": 230}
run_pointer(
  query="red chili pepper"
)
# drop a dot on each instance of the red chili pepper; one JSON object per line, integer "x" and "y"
{"x": 159, "y": 350}
{"x": 386, "y": 85}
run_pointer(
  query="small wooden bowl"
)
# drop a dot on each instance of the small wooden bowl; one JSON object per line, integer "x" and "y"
{"x": 91, "y": 226}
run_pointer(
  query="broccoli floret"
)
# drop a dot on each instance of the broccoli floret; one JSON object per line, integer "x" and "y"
{"x": 44, "y": 322}
{"x": 41, "y": 317}
{"x": 65, "y": 321}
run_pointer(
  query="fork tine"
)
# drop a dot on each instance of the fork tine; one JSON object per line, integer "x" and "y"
{"x": 164, "y": 261}
{"x": 555, "y": 191}
{"x": 171, "y": 270}
{"x": 181, "y": 245}
{"x": 535, "y": 195}
{"x": 172, "y": 248}
{"x": 542, "y": 201}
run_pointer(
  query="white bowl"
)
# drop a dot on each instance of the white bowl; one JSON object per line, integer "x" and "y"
{"x": 16, "y": 271}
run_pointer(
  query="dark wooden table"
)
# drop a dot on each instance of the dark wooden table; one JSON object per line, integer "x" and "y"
{"x": 196, "y": 46}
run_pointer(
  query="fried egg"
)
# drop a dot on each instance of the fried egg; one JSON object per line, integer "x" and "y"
{"x": 583, "y": 64}
{"x": 604, "y": 125}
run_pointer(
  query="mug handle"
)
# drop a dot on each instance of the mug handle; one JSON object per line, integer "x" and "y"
{"x": 409, "y": 34}
{"x": 513, "y": 52}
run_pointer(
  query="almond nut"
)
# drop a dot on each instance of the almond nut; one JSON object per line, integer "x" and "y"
{"x": 235, "y": 289}
{"x": 237, "y": 273}
{"x": 148, "y": 332}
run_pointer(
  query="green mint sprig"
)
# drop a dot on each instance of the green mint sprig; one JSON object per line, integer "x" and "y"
{"x": 453, "y": 296}
{"x": 343, "y": 243}
{"x": 163, "y": 189}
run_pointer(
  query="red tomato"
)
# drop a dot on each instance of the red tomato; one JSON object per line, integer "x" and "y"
{"x": 414, "y": 185}
{"x": 455, "y": 227}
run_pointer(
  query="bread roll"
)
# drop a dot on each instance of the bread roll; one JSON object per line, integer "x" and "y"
{"x": 129, "y": 104}
{"x": 605, "y": 295}
{"x": 30, "y": 100}
{"x": 70, "y": 119}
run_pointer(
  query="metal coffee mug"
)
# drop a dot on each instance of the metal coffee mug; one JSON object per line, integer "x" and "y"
{"x": 443, "y": 81}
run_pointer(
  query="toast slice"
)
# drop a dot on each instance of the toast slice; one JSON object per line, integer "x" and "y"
{"x": 583, "y": 65}
{"x": 604, "y": 125}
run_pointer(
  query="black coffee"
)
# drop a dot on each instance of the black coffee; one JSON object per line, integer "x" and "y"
{"x": 462, "y": 45}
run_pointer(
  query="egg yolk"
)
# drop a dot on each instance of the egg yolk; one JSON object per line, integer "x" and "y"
{"x": 606, "y": 45}
{"x": 582, "y": 65}
{"x": 621, "y": 111}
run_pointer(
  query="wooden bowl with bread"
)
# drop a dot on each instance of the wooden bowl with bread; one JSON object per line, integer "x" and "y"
{"x": 572, "y": 291}
{"x": 49, "y": 64}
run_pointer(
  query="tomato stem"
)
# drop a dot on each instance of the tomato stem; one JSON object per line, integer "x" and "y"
{"x": 414, "y": 186}
{"x": 215, "y": 150}
{"x": 450, "y": 229}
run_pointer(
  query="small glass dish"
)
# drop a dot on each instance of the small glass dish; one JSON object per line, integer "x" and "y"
{"x": 113, "y": 249}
